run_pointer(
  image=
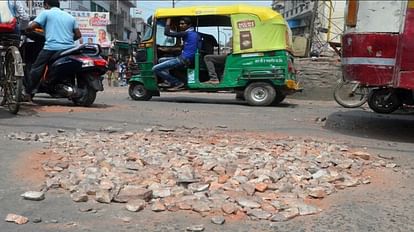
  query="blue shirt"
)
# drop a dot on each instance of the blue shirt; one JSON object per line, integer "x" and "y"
{"x": 191, "y": 41}
{"x": 59, "y": 29}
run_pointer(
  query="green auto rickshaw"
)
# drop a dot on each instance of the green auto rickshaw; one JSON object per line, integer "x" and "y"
{"x": 257, "y": 42}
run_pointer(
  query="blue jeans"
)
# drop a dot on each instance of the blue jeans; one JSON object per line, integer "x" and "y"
{"x": 38, "y": 68}
{"x": 165, "y": 64}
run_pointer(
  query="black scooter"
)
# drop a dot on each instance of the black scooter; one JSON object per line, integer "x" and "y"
{"x": 76, "y": 73}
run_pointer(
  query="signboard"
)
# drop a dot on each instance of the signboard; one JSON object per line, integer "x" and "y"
{"x": 37, "y": 5}
{"x": 136, "y": 13}
{"x": 93, "y": 27}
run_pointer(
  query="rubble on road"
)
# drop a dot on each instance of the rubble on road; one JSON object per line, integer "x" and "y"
{"x": 261, "y": 176}
{"x": 16, "y": 219}
{"x": 33, "y": 196}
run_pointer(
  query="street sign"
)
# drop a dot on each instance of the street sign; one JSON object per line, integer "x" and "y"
{"x": 136, "y": 13}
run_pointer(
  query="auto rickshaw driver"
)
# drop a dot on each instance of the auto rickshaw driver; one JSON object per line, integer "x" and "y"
{"x": 190, "y": 39}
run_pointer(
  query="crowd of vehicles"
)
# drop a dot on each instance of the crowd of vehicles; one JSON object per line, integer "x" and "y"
{"x": 76, "y": 73}
{"x": 377, "y": 58}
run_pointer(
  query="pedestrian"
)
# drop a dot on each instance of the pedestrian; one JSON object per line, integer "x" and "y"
{"x": 111, "y": 69}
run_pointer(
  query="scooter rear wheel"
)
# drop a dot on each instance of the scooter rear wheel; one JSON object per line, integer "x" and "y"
{"x": 88, "y": 99}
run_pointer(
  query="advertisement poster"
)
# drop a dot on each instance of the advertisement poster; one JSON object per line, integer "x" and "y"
{"x": 251, "y": 35}
{"x": 37, "y": 5}
{"x": 93, "y": 27}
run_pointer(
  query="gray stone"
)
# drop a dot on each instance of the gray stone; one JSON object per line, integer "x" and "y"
{"x": 248, "y": 203}
{"x": 158, "y": 206}
{"x": 103, "y": 196}
{"x": 195, "y": 228}
{"x": 132, "y": 192}
{"x": 200, "y": 206}
{"x": 135, "y": 205}
{"x": 219, "y": 220}
{"x": 248, "y": 188}
{"x": 52, "y": 183}
{"x": 33, "y": 196}
{"x": 79, "y": 197}
{"x": 148, "y": 129}
{"x": 165, "y": 129}
{"x": 305, "y": 209}
{"x": 278, "y": 217}
{"x": 85, "y": 209}
{"x": 161, "y": 193}
{"x": 36, "y": 220}
{"x": 259, "y": 214}
{"x": 229, "y": 208}
{"x": 198, "y": 187}
{"x": 319, "y": 174}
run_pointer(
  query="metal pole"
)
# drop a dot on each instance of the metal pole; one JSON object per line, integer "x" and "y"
{"x": 312, "y": 27}
{"x": 30, "y": 3}
{"x": 173, "y": 3}
{"x": 225, "y": 39}
{"x": 328, "y": 37}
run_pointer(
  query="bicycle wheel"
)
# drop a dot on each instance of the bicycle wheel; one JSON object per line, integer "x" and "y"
{"x": 2, "y": 98}
{"x": 13, "y": 85}
{"x": 2, "y": 80}
{"x": 350, "y": 94}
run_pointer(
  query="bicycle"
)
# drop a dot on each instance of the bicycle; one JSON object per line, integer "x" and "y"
{"x": 350, "y": 94}
{"x": 11, "y": 73}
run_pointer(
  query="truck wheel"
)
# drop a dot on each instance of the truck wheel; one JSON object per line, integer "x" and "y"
{"x": 259, "y": 94}
{"x": 383, "y": 101}
{"x": 138, "y": 92}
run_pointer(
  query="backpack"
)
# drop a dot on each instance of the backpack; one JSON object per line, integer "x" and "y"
{"x": 8, "y": 21}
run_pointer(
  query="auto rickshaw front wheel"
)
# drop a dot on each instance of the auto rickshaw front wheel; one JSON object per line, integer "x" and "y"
{"x": 259, "y": 94}
{"x": 138, "y": 92}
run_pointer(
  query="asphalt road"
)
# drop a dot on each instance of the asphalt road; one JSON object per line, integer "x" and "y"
{"x": 384, "y": 205}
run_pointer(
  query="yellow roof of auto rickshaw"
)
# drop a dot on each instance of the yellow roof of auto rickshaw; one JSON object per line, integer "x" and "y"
{"x": 264, "y": 13}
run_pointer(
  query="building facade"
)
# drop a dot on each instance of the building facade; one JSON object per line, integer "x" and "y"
{"x": 122, "y": 27}
{"x": 317, "y": 22}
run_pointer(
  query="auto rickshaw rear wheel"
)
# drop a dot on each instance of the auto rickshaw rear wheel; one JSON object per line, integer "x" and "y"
{"x": 138, "y": 92}
{"x": 279, "y": 98}
{"x": 259, "y": 94}
{"x": 383, "y": 101}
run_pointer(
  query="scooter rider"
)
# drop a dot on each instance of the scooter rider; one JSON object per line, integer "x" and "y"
{"x": 61, "y": 31}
